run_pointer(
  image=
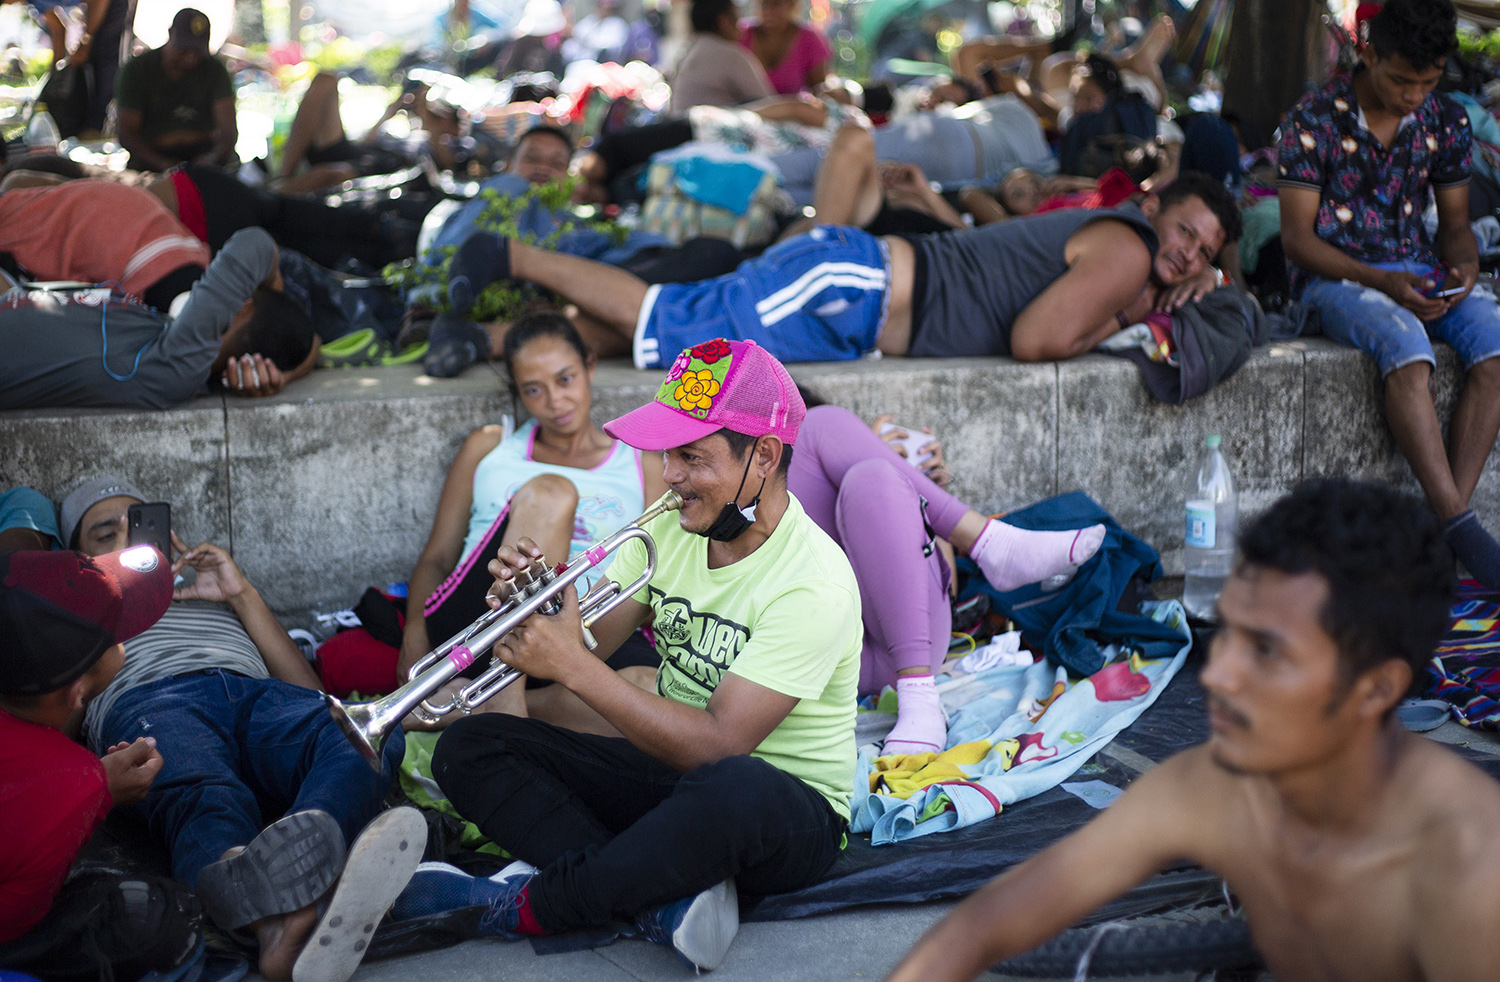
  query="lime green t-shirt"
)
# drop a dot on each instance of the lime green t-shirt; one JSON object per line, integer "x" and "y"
{"x": 786, "y": 617}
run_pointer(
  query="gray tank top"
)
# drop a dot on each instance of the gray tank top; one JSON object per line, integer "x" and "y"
{"x": 973, "y": 283}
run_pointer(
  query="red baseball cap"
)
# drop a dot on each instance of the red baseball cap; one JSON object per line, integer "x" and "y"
{"x": 719, "y": 384}
{"x": 60, "y": 611}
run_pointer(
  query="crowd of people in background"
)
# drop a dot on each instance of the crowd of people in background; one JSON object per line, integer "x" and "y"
{"x": 1023, "y": 195}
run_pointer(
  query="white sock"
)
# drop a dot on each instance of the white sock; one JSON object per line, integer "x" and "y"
{"x": 920, "y": 726}
{"x": 1011, "y": 557}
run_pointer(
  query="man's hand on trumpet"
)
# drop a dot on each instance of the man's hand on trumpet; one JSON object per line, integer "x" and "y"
{"x": 541, "y": 645}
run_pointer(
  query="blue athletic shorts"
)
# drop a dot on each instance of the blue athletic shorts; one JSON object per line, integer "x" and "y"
{"x": 815, "y": 297}
{"x": 1364, "y": 318}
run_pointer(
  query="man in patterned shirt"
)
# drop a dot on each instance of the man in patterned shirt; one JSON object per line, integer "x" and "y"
{"x": 1357, "y": 160}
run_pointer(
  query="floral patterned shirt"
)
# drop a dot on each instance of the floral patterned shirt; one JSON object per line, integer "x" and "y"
{"x": 1372, "y": 197}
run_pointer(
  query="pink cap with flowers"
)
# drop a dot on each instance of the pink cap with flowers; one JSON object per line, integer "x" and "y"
{"x": 734, "y": 385}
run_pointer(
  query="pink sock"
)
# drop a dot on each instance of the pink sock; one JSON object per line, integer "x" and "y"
{"x": 1011, "y": 557}
{"x": 920, "y": 726}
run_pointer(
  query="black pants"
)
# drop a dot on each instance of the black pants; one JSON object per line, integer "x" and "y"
{"x": 324, "y": 234}
{"x": 615, "y": 831}
{"x": 634, "y": 145}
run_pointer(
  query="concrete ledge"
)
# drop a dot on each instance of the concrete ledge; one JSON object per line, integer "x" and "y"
{"x": 332, "y": 485}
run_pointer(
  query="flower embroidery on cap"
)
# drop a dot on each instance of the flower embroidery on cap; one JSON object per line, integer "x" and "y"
{"x": 711, "y": 351}
{"x": 679, "y": 366}
{"x": 696, "y": 391}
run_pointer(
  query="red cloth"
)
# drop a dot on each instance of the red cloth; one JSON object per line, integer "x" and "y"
{"x": 98, "y": 232}
{"x": 53, "y": 794}
{"x": 1114, "y": 187}
{"x": 353, "y": 661}
{"x": 190, "y": 205}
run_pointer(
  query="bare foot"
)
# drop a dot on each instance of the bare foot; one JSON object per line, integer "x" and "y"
{"x": 281, "y": 939}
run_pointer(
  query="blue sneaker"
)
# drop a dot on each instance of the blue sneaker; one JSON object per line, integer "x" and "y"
{"x": 700, "y": 928}
{"x": 436, "y": 888}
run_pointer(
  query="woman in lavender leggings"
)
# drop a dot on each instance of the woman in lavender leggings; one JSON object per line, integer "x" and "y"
{"x": 868, "y": 498}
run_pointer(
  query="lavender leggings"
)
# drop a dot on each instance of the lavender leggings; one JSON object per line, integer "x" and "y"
{"x": 864, "y": 495}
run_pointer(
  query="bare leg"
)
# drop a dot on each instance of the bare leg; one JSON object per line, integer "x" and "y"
{"x": 1144, "y": 57}
{"x": 543, "y": 511}
{"x": 1413, "y": 420}
{"x": 281, "y": 939}
{"x": 608, "y": 294}
{"x": 1476, "y": 421}
{"x": 848, "y": 190}
{"x": 604, "y": 341}
{"x": 316, "y": 178}
{"x": 317, "y": 123}
{"x": 560, "y": 707}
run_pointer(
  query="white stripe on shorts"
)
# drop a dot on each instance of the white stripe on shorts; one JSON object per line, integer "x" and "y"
{"x": 875, "y": 273}
{"x": 810, "y": 290}
{"x": 643, "y": 350}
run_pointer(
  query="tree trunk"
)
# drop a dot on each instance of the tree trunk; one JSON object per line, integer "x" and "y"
{"x": 250, "y": 21}
{"x": 1276, "y": 47}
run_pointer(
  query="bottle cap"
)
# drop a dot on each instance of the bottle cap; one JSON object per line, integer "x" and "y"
{"x": 1211, "y": 441}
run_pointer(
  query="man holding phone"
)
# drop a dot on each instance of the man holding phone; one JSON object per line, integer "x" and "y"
{"x": 237, "y": 713}
{"x": 1357, "y": 158}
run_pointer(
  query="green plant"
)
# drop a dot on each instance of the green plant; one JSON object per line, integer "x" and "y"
{"x": 1473, "y": 45}
{"x": 506, "y": 299}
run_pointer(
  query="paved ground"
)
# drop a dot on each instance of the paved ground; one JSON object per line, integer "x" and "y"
{"x": 858, "y": 944}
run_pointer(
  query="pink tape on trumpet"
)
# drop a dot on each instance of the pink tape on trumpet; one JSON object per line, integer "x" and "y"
{"x": 595, "y": 556}
{"x": 461, "y": 657}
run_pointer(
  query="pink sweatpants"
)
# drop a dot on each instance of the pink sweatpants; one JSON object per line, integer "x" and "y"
{"x": 864, "y": 495}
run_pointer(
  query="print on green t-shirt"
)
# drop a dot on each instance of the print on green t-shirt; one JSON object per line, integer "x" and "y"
{"x": 700, "y": 645}
{"x": 786, "y": 617}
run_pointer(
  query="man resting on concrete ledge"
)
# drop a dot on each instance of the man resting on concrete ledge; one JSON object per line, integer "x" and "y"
{"x": 92, "y": 348}
{"x": 1359, "y": 850}
{"x": 1358, "y": 161}
{"x": 1039, "y": 289}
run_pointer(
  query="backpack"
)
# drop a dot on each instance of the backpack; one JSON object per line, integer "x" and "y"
{"x": 111, "y": 927}
{"x": 1095, "y": 141}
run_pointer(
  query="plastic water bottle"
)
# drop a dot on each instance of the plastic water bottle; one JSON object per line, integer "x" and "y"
{"x": 42, "y": 135}
{"x": 1213, "y": 507}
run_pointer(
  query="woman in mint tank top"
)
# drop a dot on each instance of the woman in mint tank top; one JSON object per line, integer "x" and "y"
{"x": 558, "y": 479}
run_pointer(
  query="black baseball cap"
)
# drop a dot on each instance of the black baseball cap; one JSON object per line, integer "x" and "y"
{"x": 60, "y": 611}
{"x": 190, "y": 30}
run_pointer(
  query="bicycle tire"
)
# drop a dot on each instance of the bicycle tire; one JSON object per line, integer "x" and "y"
{"x": 1133, "y": 948}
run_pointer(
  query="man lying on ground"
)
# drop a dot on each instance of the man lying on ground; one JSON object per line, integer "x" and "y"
{"x": 317, "y": 138}
{"x": 94, "y": 348}
{"x": 1038, "y": 289}
{"x": 1359, "y": 850}
{"x": 238, "y": 716}
{"x": 541, "y": 156}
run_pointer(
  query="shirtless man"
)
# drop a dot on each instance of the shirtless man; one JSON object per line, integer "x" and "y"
{"x": 1070, "y": 279}
{"x": 1360, "y": 851}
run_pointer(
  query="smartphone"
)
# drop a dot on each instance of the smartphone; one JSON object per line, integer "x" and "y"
{"x": 151, "y": 525}
{"x": 914, "y": 441}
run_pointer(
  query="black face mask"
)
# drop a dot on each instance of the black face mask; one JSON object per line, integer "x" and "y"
{"x": 733, "y": 520}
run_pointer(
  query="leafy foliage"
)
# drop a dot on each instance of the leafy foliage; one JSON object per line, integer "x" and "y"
{"x": 506, "y": 299}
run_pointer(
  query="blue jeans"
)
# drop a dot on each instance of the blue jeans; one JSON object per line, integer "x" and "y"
{"x": 237, "y": 752}
{"x": 1364, "y": 318}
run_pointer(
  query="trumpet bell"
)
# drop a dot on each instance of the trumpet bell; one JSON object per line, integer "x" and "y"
{"x": 355, "y": 722}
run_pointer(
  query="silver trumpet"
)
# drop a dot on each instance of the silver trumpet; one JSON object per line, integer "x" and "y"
{"x": 538, "y": 588}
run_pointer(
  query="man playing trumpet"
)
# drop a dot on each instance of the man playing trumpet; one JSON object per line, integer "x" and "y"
{"x": 736, "y": 771}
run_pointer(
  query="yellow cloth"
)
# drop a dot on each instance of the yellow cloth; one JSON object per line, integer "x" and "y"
{"x": 903, "y": 775}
